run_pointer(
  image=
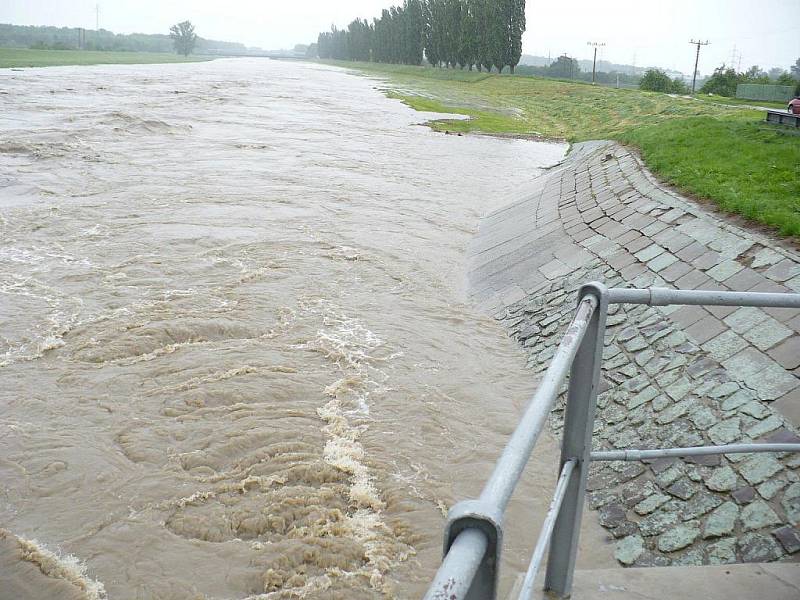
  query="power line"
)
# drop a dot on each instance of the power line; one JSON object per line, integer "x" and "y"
{"x": 594, "y": 61}
{"x": 697, "y": 43}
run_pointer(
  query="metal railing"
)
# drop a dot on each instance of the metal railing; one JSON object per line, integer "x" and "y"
{"x": 473, "y": 535}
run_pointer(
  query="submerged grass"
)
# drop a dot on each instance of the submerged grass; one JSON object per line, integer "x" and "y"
{"x": 23, "y": 57}
{"x": 706, "y": 146}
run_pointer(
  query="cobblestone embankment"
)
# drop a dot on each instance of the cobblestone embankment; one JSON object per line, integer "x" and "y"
{"x": 672, "y": 376}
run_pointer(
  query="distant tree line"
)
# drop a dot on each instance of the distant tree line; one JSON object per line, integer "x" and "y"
{"x": 481, "y": 34}
{"x": 725, "y": 79}
{"x": 566, "y": 67}
{"x": 67, "y": 38}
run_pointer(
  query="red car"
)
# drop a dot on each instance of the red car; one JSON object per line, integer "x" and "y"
{"x": 794, "y": 106}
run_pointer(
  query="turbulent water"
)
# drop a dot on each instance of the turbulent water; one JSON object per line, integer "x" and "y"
{"x": 236, "y": 354}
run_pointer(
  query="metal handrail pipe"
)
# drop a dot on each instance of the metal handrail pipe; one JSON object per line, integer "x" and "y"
{"x": 512, "y": 461}
{"x": 458, "y": 568}
{"x": 693, "y": 451}
{"x": 526, "y": 592}
{"x": 656, "y": 296}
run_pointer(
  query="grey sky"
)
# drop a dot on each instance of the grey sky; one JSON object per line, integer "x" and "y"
{"x": 651, "y": 32}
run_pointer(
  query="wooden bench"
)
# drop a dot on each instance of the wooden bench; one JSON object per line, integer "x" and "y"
{"x": 782, "y": 117}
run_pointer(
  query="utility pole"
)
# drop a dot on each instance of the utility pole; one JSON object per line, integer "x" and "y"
{"x": 697, "y": 43}
{"x": 97, "y": 16}
{"x": 594, "y": 62}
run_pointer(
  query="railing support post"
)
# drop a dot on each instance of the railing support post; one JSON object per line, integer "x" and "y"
{"x": 472, "y": 573}
{"x": 576, "y": 445}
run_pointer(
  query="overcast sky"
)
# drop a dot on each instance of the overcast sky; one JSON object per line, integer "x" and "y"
{"x": 647, "y": 32}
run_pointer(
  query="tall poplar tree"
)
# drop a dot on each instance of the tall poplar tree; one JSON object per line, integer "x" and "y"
{"x": 463, "y": 33}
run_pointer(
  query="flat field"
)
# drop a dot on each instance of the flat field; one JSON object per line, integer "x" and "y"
{"x": 23, "y": 57}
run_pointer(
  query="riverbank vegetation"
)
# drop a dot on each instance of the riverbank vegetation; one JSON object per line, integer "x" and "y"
{"x": 23, "y": 57}
{"x": 76, "y": 38}
{"x": 725, "y": 154}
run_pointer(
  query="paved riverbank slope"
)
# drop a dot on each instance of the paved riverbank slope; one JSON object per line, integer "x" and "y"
{"x": 672, "y": 376}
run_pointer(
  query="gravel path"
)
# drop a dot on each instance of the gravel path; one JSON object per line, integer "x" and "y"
{"x": 672, "y": 376}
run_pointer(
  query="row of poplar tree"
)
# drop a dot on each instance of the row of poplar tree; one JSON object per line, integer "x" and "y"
{"x": 451, "y": 33}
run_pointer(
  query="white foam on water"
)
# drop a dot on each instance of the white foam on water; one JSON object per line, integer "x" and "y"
{"x": 355, "y": 348}
{"x": 61, "y": 566}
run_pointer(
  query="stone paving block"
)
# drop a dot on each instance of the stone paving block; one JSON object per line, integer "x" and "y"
{"x": 706, "y": 329}
{"x": 654, "y": 228}
{"x": 638, "y": 244}
{"x": 744, "y": 280}
{"x": 770, "y": 286}
{"x": 688, "y": 315}
{"x": 789, "y": 537}
{"x": 759, "y": 467}
{"x": 706, "y": 260}
{"x": 721, "y": 311}
{"x": 672, "y": 215}
{"x": 679, "y": 537}
{"x": 766, "y": 257}
{"x": 555, "y": 268}
{"x": 724, "y": 270}
{"x": 675, "y": 271}
{"x": 692, "y": 252}
{"x": 629, "y": 236}
{"x": 726, "y": 431}
{"x": 583, "y": 235}
{"x": 638, "y": 221}
{"x": 755, "y": 547}
{"x": 766, "y": 426}
{"x": 661, "y": 262}
{"x": 758, "y": 515}
{"x": 621, "y": 259}
{"x": 767, "y": 334}
{"x": 783, "y": 271}
{"x": 787, "y": 353}
{"x": 789, "y": 406}
{"x": 722, "y": 479}
{"x": 598, "y": 224}
{"x": 760, "y": 373}
{"x": 722, "y": 520}
{"x": 701, "y": 230}
{"x": 649, "y": 252}
{"x": 745, "y": 318}
{"x": 693, "y": 280}
{"x": 724, "y": 345}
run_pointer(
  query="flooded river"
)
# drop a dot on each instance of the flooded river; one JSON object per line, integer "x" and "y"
{"x": 236, "y": 354}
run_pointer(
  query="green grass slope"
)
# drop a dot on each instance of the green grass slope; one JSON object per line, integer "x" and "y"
{"x": 704, "y": 146}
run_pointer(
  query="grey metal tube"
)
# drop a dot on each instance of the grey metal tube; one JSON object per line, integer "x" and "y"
{"x": 656, "y": 296}
{"x": 515, "y": 455}
{"x": 455, "y": 574}
{"x": 694, "y": 451}
{"x": 547, "y": 531}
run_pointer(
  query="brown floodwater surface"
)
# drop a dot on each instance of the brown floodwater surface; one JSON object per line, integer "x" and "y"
{"x": 236, "y": 354}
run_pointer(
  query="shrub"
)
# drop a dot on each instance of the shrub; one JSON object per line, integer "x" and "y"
{"x": 656, "y": 80}
{"x": 723, "y": 82}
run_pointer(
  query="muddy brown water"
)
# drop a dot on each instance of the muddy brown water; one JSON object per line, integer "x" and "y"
{"x": 236, "y": 355}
